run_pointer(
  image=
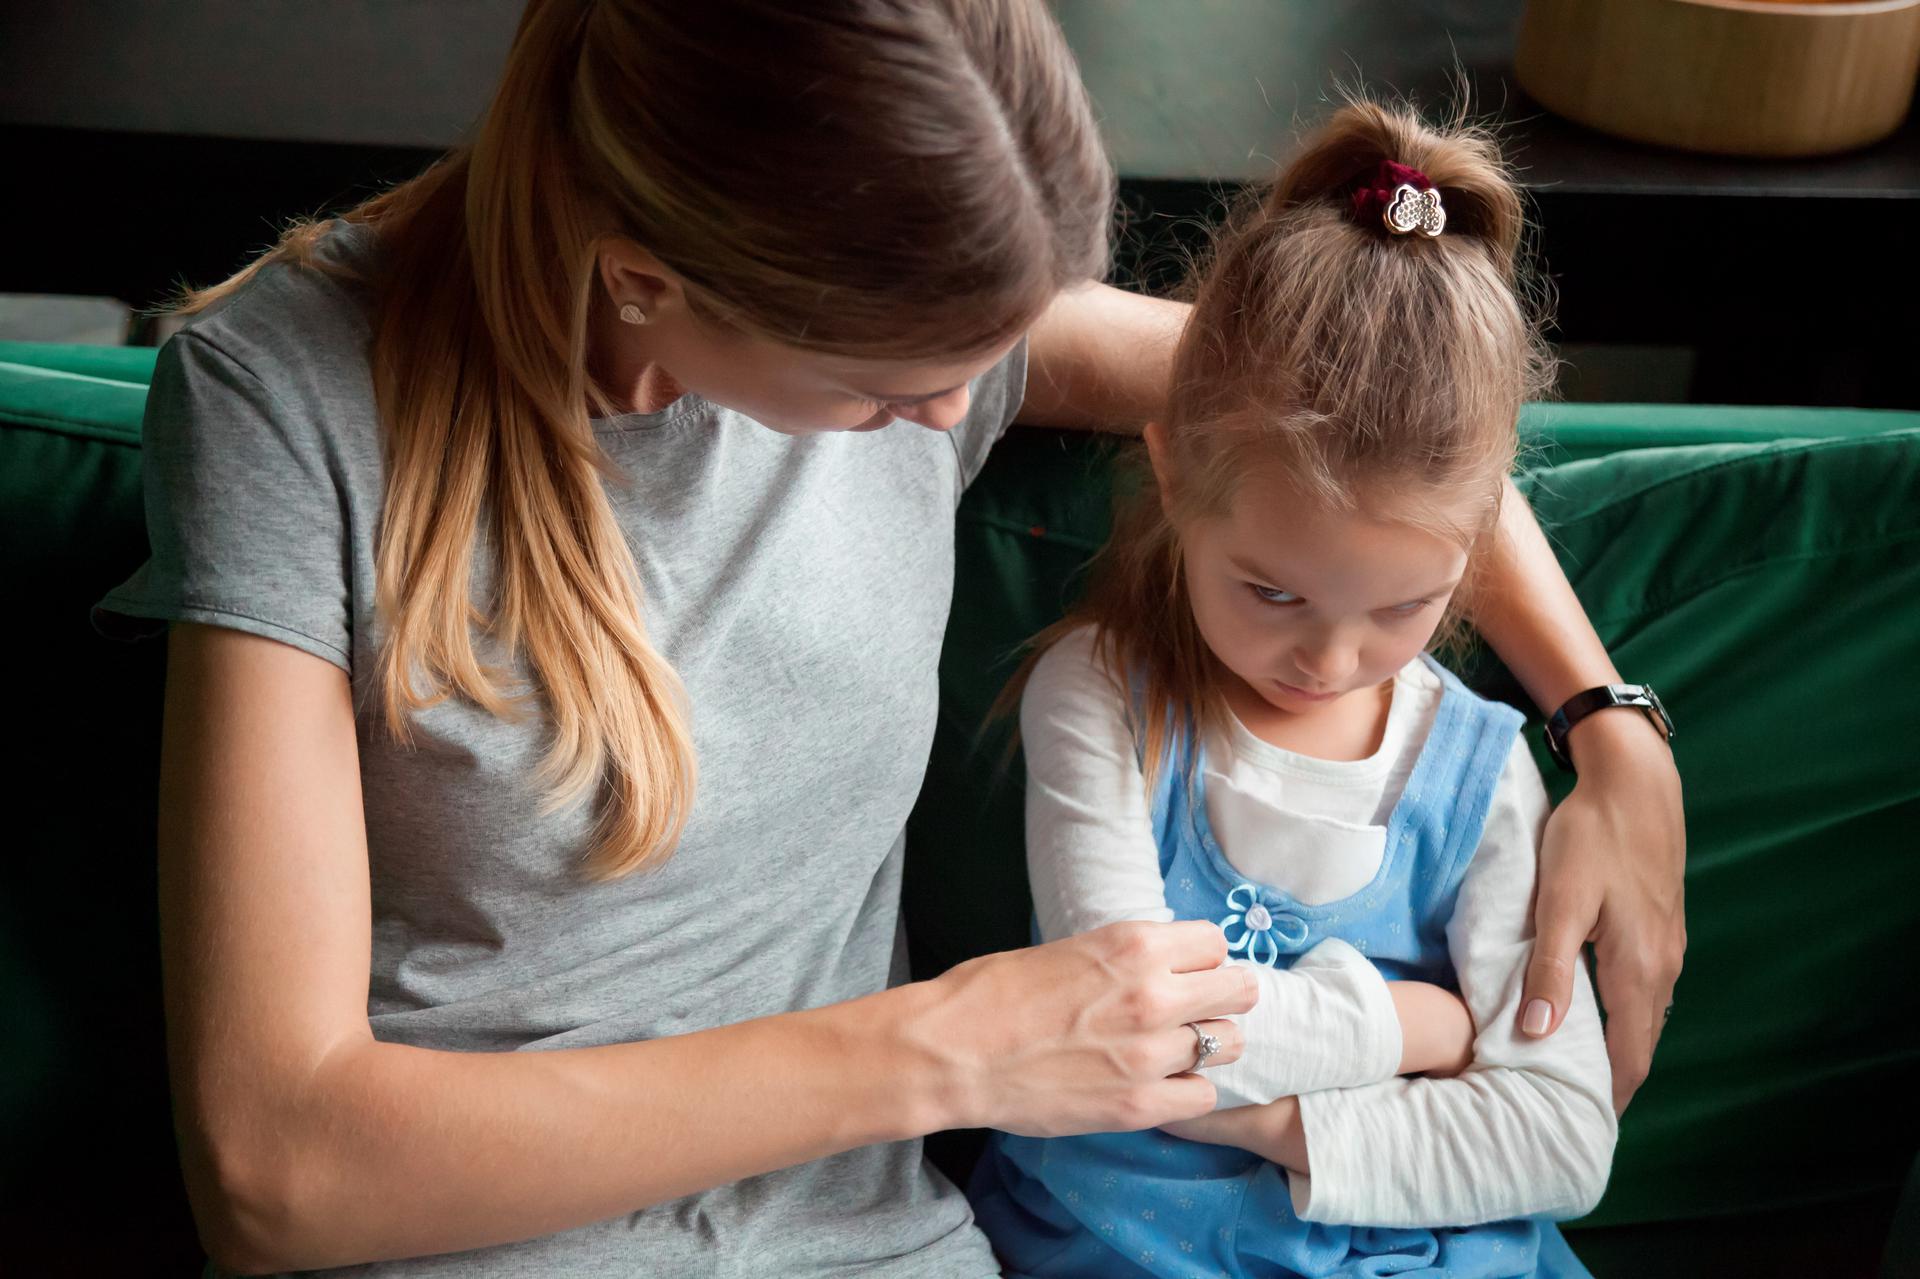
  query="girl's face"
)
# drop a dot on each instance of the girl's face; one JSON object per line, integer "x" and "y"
{"x": 1304, "y": 606}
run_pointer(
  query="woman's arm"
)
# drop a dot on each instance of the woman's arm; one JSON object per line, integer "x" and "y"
{"x": 1099, "y": 359}
{"x": 307, "y": 1143}
{"x": 1615, "y": 850}
{"x": 1330, "y": 1021}
{"x": 1613, "y": 863}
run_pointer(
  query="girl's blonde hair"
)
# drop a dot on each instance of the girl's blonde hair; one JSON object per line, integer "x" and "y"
{"x": 1374, "y": 371}
{"x": 864, "y": 177}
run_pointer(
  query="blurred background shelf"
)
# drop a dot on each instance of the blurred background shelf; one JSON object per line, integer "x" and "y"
{"x": 156, "y": 156}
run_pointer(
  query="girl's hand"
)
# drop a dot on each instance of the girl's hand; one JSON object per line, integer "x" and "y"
{"x": 1611, "y": 873}
{"x": 1086, "y": 1034}
{"x": 1272, "y": 1131}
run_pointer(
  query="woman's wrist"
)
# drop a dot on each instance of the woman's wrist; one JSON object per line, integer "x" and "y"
{"x": 923, "y": 1084}
{"x": 1621, "y": 733}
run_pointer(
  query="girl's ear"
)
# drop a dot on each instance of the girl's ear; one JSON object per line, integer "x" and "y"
{"x": 1160, "y": 455}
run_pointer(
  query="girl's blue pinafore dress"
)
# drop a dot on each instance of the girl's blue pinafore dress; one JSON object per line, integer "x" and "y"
{"x": 1131, "y": 1205}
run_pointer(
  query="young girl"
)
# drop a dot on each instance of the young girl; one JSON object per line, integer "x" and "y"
{"x": 1241, "y": 724}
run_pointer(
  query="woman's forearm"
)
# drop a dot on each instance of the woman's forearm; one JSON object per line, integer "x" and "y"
{"x": 1531, "y": 617}
{"x": 394, "y": 1151}
{"x": 1100, "y": 359}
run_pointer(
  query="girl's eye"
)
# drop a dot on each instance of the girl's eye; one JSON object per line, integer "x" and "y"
{"x": 1273, "y": 595}
{"x": 1409, "y": 609}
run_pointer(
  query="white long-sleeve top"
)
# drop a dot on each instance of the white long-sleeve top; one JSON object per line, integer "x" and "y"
{"x": 1527, "y": 1129}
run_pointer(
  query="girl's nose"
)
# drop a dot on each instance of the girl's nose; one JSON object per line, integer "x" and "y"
{"x": 1327, "y": 664}
{"x": 942, "y": 414}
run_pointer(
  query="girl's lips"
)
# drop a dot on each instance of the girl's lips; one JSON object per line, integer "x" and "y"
{"x": 1303, "y": 694}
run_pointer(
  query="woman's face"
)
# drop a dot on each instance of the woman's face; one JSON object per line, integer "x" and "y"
{"x": 804, "y": 392}
{"x": 793, "y": 391}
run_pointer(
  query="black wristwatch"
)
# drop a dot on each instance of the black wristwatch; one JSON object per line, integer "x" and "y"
{"x": 1639, "y": 696}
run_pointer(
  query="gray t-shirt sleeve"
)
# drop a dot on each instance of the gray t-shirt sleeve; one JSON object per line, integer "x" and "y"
{"x": 997, "y": 395}
{"x": 245, "y": 512}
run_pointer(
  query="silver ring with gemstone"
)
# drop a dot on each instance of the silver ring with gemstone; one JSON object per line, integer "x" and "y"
{"x": 1207, "y": 1047}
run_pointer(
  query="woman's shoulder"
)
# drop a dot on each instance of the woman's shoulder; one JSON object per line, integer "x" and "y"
{"x": 304, "y": 332}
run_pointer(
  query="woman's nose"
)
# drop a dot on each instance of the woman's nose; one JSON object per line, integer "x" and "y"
{"x": 940, "y": 414}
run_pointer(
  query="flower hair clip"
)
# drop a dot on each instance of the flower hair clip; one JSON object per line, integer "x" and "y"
{"x": 1402, "y": 199}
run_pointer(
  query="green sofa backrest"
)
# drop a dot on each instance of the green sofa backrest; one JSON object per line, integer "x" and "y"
{"x": 1760, "y": 567}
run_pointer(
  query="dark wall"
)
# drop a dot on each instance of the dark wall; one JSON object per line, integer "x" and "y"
{"x": 378, "y": 72}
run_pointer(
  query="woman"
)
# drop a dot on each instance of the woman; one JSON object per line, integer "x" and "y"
{"x": 595, "y": 455}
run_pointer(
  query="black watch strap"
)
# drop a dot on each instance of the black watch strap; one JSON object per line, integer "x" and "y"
{"x": 1639, "y": 696}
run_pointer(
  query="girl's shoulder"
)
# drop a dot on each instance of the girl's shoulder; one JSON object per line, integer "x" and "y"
{"x": 1430, "y": 683}
{"x": 1426, "y": 675}
{"x": 1423, "y": 686}
{"x": 1422, "y": 679}
{"x": 1072, "y": 671}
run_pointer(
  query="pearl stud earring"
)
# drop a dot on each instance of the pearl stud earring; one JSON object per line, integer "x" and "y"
{"x": 633, "y": 314}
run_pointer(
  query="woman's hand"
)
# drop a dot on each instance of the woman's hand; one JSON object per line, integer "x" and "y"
{"x": 1272, "y": 1131}
{"x": 1611, "y": 873}
{"x": 1087, "y": 1034}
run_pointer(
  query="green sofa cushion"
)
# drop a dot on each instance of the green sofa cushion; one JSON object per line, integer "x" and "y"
{"x": 1768, "y": 590}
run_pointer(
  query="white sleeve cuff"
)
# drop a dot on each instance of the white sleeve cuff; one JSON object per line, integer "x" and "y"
{"x": 1336, "y": 1193}
{"x": 1327, "y": 1022}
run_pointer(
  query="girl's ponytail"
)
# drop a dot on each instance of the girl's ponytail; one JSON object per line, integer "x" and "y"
{"x": 1462, "y": 162}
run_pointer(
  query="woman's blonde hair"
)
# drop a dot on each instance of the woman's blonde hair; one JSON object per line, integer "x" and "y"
{"x": 865, "y": 177}
{"x": 1374, "y": 371}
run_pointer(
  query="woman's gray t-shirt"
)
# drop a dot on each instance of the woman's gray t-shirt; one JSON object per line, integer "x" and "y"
{"x": 800, "y": 586}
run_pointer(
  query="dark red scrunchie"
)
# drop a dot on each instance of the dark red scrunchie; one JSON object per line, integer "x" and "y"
{"x": 1371, "y": 197}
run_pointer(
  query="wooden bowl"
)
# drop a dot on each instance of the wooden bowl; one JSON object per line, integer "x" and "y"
{"x": 1738, "y": 77}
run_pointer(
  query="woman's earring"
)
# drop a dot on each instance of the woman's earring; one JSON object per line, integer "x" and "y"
{"x": 633, "y": 314}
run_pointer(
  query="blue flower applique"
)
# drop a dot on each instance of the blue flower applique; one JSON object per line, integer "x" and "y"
{"x": 1262, "y": 935}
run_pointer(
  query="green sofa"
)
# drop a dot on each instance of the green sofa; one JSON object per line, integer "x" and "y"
{"x": 1760, "y": 566}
